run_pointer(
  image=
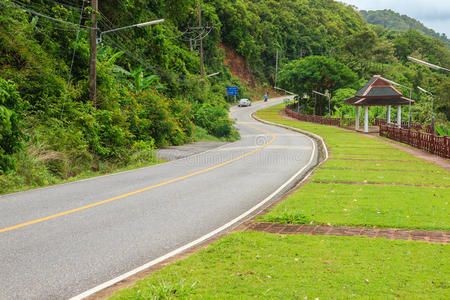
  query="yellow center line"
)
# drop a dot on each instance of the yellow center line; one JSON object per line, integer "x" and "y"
{"x": 141, "y": 190}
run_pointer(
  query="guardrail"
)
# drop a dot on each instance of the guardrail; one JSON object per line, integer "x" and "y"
{"x": 439, "y": 145}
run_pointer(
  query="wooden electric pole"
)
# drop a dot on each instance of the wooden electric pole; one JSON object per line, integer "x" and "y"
{"x": 202, "y": 71}
{"x": 93, "y": 55}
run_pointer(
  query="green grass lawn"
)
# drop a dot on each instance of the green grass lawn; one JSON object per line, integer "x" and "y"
{"x": 361, "y": 175}
{"x": 365, "y": 205}
{"x": 248, "y": 265}
{"x": 417, "y": 166}
{"x": 268, "y": 266}
{"x": 13, "y": 183}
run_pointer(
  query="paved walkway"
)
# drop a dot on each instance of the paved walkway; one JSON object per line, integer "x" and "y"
{"x": 178, "y": 152}
{"x": 388, "y": 233}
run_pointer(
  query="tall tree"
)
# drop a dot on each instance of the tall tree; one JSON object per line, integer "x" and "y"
{"x": 316, "y": 73}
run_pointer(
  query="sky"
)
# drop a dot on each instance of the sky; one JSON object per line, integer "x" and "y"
{"x": 434, "y": 14}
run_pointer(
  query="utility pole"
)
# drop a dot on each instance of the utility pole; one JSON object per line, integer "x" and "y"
{"x": 202, "y": 71}
{"x": 315, "y": 102}
{"x": 276, "y": 69}
{"x": 328, "y": 95}
{"x": 93, "y": 55}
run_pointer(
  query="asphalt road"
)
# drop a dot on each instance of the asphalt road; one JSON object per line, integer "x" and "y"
{"x": 60, "y": 241}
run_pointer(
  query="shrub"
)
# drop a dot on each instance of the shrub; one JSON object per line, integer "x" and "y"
{"x": 214, "y": 119}
{"x": 155, "y": 117}
{"x": 11, "y": 135}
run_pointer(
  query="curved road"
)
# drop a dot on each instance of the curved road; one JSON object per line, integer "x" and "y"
{"x": 60, "y": 241}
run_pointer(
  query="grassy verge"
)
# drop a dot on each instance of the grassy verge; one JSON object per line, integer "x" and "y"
{"x": 202, "y": 135}
{"x": 329, "y": 198}
{"x": 34, "y": 174}
{"x": 340, "y": 204}
{"x": 41, "y": 177}
{"x": 247, "y": 265}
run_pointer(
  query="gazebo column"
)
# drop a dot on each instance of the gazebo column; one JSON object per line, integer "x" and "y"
{"x": 399, "y": 116}
{"x": 388, "y": 118}
{"x": 357, "y": 118}
{"x": 366, "y": 119}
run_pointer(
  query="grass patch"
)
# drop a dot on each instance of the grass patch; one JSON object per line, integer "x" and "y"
{"x": 251, "y": 264}
{"x": 288, "y": 217}
{"x": 38, "y": 176}
{"x": 415, "y": 178}
{"x": 365, "y": 205}
{"x": 419, "y": 166}
{"x": 202, "y": 135}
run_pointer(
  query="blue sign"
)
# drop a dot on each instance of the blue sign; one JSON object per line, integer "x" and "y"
{"x": 232, "y": 90}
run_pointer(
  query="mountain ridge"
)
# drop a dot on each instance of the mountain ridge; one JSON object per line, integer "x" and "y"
{"x": 392, "y": 20}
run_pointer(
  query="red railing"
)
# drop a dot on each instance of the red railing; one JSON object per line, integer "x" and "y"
{"x": 414, "y": 126}
{"x": 439, "y": 145}
{"x": 313, "y": 119}
{"x": 415, "y": 136}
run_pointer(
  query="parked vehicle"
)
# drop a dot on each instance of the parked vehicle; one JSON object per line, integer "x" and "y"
{"x": 244, "y": 102}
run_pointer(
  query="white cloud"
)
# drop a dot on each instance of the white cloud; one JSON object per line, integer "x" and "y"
{"x": 433, "y": 13}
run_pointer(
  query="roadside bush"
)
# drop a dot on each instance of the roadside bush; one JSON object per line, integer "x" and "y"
{"x": 214, "y": 119}
{"x": 63, "y": 151}
{"x": 153, "y": 117}
{"x": 114, "y": 138}
{"x": 143, "y": 152}
{"x": 11, "y": 135}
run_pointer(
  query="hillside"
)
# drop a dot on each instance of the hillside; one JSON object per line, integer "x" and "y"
{"x": 394, "y": 21}
{"x": 149, "y": 89}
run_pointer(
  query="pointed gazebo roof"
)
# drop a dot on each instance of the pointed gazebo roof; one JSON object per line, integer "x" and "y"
{"x": 378, "y": 92}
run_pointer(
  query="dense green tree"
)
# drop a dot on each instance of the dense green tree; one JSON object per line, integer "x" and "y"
{"x": 318, "y": 73}
{"x": 340, "y": 109}
{"x": 359, "y": 49}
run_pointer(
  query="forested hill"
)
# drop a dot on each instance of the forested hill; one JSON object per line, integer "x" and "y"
{"x": 149, "y": 89}
{"x": 394, "y": 21}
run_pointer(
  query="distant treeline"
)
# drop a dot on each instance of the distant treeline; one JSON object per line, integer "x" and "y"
{"x": 394, "y": 21}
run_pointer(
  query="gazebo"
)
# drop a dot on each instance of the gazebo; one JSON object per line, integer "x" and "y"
{"x": 378, "y": 92}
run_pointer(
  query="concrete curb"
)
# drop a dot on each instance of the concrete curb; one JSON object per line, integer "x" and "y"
{"x": 323, "y": 150}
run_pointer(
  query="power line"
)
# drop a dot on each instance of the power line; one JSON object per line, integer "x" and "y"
{"x": 142, "y": 59}
{"x": 139, "y": 58}
{"x": 67, "y": 5}
{"x": 178, "y": 36}
{"x": 58, "y": 27}
{"x": 44, "y": 33}
{"x": 73, "y": 59}
{"x": 42, "y": 15}
{"x": 45, "y": 7}
{"x": 128, "y": 53}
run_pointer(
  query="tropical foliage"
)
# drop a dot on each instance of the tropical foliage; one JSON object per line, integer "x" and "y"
{"x": 150, "y": 92}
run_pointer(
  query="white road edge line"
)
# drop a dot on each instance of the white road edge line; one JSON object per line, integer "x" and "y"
{"x": 201, "y": 239}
